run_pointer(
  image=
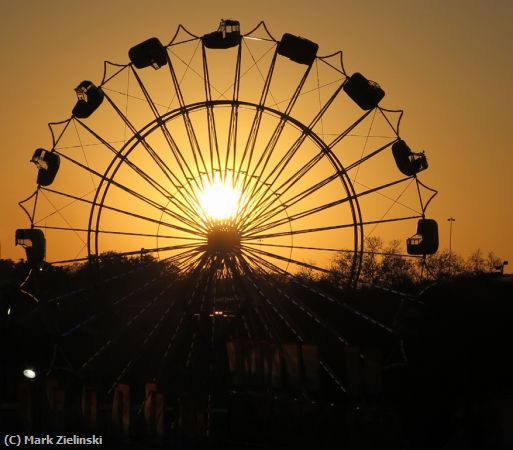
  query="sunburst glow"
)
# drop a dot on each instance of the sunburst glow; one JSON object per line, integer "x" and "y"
{"x": 220, "y": 200}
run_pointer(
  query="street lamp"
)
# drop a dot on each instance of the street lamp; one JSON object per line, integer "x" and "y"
{"x": 450, "y": 220}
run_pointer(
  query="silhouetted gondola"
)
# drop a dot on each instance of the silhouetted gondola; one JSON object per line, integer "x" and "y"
{"x": 408, "y": 162}
{"x": 226, "y": 36}
{"x": 425, "y": 241}
{"x": 90, "y": 97}
{"x": 148, "y": 53}
{"x": 365, "y": 93}
{"x": 48, "y": 164}
{"x": 33, "y": 240}
{"x": 297, "y": 49}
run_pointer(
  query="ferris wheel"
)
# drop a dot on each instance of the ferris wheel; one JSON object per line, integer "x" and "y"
{"x": 244, "y": 162}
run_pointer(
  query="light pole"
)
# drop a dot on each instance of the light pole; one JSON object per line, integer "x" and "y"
{"x": 450, "y": 220}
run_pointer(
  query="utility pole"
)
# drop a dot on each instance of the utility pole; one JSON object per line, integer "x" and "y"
{"x": 450, "y": 220}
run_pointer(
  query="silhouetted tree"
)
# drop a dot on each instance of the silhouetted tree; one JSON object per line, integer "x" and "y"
{"x": 476, "y": 262}
{"x": 444, "y": 265}
{"x": 395, "y": 269}
{"x": 389, "y": 266}
{"x": 493, "y": 262}
{"x": 371, "y": 264}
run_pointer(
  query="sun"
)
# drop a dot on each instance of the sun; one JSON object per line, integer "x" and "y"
{"x": 220, "y": 200}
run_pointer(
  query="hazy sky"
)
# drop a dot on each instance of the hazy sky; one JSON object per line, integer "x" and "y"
{"x": 448, "y": 64}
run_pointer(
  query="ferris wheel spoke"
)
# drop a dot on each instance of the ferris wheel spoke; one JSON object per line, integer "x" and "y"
{"x": 114, "y": 338}
{"x": 166, "y": 248}
{"x": 246, "y": 324}
{"x": 256, "y": 251}
{"x": 175, "y": 149}
{"x": 328, "y": 297}
{"x": 71, "y": 329}
{"x": 331, "y": 227}
{"x": 187, "y": 209}
{"x": 262, "y": 205}
{"x": 234, "y": 117}
{"x": 330, "y": 249}
{"x": 364, "y": 148}
{"x": 289, "y": 233}
{"x": 269, "y": 225}
{"x": 182, "y": 258}
{"x": 180, "y": 323}
{"x": 323, "y": 363}
{"x": 268, "y": 193}
{"x": 267, "y": 153}
{"x": 309, "y": 91}
{"x": 255, "y": 126}
{"x": 122, "y": 233}
{"x": 243, "y": 74}
{"x": 195, "y": 72}
{"x": 69, "y": 261}
{"x": 299, "y": 247}
{"x": 256, "y": 65}
{"x": 193, "y": 141}
{"x": 264, "y": 213}
{"x": 186, "y": 188}
{"x": 193, "y": 224}
{"x": 278, "y": 169}
{"x": 309, "y": 313}
{"x": 140, "y": 251}
{"x": 271, "y": 144}
{"x": 191, "y": 261}
{"x": 395, "y": 201}
{"x": 298, "y": 303}
{"x": 145, "y": 92}
{"x": 168, "y": 173}
{"x": 212, "y": 132}
{"x": 271, "y": 196}
{"x": 125, "y": 212}
{"x": 137, "y": 354}
{"x": 347, "y": 131}
{"x": 187, "y": 68}
{"x": 251, "y": 274}
{"x": 289, "y": 219}
{"x": 262, "y": 210}
{"x": 125, "y": 274}
{"x": 370, "y": 155}
{"x": 257, "y": 313}
{"x": 187, "y": 173}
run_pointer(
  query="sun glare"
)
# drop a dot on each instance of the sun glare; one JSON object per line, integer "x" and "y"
{"x": 220, "y": 199}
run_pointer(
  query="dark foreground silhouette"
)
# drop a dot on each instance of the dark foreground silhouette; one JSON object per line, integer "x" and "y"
{"x": 451, "y": 388}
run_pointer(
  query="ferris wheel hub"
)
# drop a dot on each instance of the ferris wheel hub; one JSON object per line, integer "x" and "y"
{"x": 223, "y": 239}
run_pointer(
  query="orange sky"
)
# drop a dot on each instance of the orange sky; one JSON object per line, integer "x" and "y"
{"x": 446, "y": 63}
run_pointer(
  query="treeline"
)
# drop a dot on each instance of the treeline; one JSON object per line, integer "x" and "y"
{"x": 388, "y": 265}
{"x": 384, "y": 264}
